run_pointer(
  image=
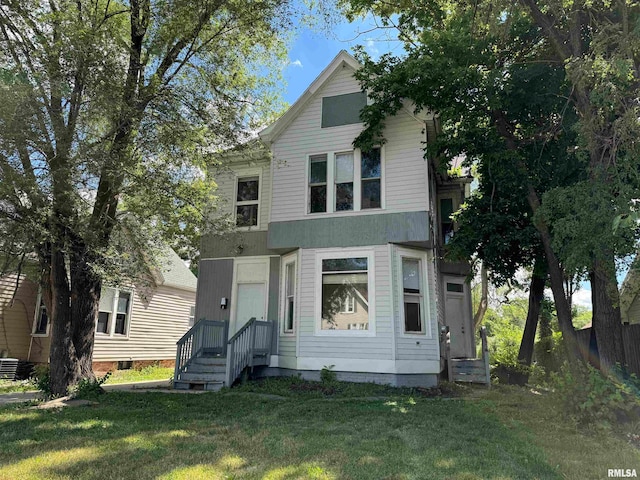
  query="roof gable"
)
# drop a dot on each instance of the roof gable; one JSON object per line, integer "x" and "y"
{"x": 273, "y": 131}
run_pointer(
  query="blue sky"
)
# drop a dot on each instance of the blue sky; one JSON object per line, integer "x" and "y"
{"x": 311, "y": 51}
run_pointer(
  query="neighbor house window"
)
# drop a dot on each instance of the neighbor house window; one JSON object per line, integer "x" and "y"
{"x": 318, "y": 184}
{"x": 105, "y": 310}
{"x": 192, "y": 315}
{"x": 42, "y": 320}
{"x": 349, "y": 305}
{"x": 342, "y": 279}
{"x": 113, "y": 311}
{"x": 247, "y": 202}
{"x": 371, "y": 175}
{"x": 344, "y": 181}
{"x": 413, "y": 295}
{"x": 122, "y": 313}
{"x": 446, "y": 222}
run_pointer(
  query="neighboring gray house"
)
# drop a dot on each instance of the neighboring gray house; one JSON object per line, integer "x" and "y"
{"x": 337, "y": 251}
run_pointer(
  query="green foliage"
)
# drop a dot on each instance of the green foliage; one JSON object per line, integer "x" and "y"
{"x": 593, "y": 399}
{"x": 327, "y": 375}
{"x": 42, "y": 380}
{"x": 89, "y": 388}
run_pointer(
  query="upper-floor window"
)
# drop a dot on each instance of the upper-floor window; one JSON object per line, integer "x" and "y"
{"x": 247, "y": 201}
{"x": 446, "y": 222}
{"x": 318, "y": 183}
{"x": 342, "y": 109}
{"x": 355, "y": 178}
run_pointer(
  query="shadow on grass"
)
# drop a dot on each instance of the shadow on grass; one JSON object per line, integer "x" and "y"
{"x": 154, "y": 435}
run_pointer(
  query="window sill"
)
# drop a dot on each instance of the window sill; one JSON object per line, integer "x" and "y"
{"x": 39, "y": 335}
{"x": 288, "y": 334}
{"x": 345, "y": 333}
{"x": 346, "y": 213}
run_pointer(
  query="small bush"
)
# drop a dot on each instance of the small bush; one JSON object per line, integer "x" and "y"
{"x": 594, "y": 399}
{"x": 90, "y": 388}
{"x": 327, "y": 375}
{"x": 41, "y": 380}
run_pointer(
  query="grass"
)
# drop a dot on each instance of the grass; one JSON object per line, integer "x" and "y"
{"x": 118, "y": 376}
{"x": 144, "y": 374}
{"x": 505, "y": 433}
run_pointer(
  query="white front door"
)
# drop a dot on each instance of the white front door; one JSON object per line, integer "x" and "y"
{"x": 457, "y": 315}
{"x": 250, "y": 303}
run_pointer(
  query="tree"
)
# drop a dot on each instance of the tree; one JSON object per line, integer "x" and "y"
{"x": 113, "y": 110}
{"x": 483, "y": 67}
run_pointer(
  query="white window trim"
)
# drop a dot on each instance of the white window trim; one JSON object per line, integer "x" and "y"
{"x": 37, "y": 315}
{"x": 288, "y": 260}
{"x": 357, "y": 183}
{"x": 112, "y": 318}
{"x": 346, "y": 253}
{"x": 257, "y": 172}
{"x": 423, "y": 257}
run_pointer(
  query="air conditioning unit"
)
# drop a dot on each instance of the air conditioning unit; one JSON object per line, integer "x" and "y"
{"x": 8, "y": 367}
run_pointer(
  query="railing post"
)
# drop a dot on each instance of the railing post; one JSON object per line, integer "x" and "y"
{"x": 252, "y": 342}
{"x": 177, "y": 367}
{"x": 485, "y": 355}
{"x": 225, "y": 338}
{"x": 229, "y": 365}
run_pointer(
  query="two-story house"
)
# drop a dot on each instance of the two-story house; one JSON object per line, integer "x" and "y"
{"x": 338, "y": 248}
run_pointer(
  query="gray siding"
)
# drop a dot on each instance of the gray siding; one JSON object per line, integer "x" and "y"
{"x": 379, "y": 229}
{"x": 214, "y": 282}
{"x": 237, "y": 244}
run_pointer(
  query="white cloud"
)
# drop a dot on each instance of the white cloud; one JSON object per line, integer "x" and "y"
{"x": 295, "y": 63}
{"x": 583, "y": 298}
{"x": 371, "y": 48}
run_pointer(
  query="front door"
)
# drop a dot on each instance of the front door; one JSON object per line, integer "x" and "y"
{"x": 250, "y": 299}
{"x": 457, "y": 314}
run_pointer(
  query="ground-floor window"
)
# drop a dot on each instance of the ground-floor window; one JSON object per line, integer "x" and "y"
{"x": 288, "y": 312}
{"x": 114, "y": 312}
{"x": 411, "y": 285}
{"x": 345, "y": 293}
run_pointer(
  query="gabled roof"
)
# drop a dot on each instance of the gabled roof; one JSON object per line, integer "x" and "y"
{"x": 174, "y": 273}
{"x": 273, "y": 131}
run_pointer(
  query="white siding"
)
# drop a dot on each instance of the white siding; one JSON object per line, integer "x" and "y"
{"x": 16, "y": 315}
{"x": 346, "y": 346}
{"x": 226, "y": 181}
{"x": 156, "y": 326}
{"x": 633, "y": 314}
{"x": 287, "y": 346}
{"x": 416, "y": 347}
{"x": 405, "y": 179}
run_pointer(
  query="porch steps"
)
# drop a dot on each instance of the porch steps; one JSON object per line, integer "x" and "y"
{"x": 203, "y": 373}
{"x": 468, "y": 370}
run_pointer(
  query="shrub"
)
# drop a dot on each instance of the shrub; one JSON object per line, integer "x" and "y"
{"x": 592, "y": 398}
{"x": 327, "y": 375}
{"x": 41, "y": 380}
{"x": 90, "y": 388}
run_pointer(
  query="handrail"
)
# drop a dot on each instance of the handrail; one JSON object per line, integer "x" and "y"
{"x": 253, "y": 338}
{"x": 205, "y": 335}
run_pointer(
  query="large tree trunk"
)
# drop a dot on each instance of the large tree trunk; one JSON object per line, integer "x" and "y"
{"x": 607, "y": 323}
{"x": 85, "y": 298}
{"x": 62, "y": 358}
{"x": 536, "y": 294}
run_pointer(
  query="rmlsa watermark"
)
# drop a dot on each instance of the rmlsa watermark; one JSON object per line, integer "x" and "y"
{"x": 622, "y": 473}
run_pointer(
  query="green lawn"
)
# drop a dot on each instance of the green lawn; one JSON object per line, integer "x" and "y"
{"x": 503, "y": 434}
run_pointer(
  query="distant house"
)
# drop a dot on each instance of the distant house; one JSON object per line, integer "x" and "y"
{"x": 135, "y": 326}
{"x": 337, "y": 258}
{"x": 630, "y": 295}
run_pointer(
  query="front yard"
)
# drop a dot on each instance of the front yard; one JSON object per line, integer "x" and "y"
{"x": 506, "y": 433}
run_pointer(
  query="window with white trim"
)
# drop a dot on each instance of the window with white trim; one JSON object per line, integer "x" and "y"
{"x": 413, "y": 295}
{"x": 318, "y": 183}
{"x": 371, "y": 175}
{"x": 345, "y": 181}
{"x": 192, "y": 315}
{"x": 349, "y": 305}
{"x": 247, "y": 201}
{"x": 114, "y": 312}
{"x": 342, "y": 278}
{"x": 446, "y": 222}
{"x": 289, "y": 312}
{"x": 41, "y": 324}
